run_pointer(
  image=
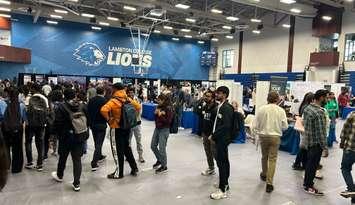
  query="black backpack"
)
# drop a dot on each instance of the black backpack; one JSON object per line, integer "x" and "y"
{"x": 37, "y": 112}
{"x": 238, "y": 121}
{"x": 12, "y": 124}
{"x": 128, "y": 115}
{"x": 79, "y": 123}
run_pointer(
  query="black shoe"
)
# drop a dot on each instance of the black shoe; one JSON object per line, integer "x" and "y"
{"x": 39, "y": 168}
{"x": 161, "y": 170}
{"x": 114, "y": 176}
{"x": 156, "y": 165}
{"x": 45, "y": 158}
{"x": 262, "y": 177}
{"x": 134, "y": 172}
{"x": 94, "y": 167}
{"x": 269, "y": 188}
{"x": 297, "y": 167}
{"x": 29, "y": 166}
{"x": 76, "y": 187}
{"x": 102, "y": 159}
{"x": 353, "y": 201}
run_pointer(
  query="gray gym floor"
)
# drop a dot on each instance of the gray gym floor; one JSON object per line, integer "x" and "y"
{"x": 183, "y": 184}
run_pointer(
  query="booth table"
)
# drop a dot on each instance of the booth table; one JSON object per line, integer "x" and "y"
{"x": 148, "y": 111}
{"x": 290, "y": 141}
{"x": 187, "y": 120}
{"x": 347, "y": 111}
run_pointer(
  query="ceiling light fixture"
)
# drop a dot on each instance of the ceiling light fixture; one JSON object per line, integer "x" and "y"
{"x": 216, "y": 11}
{"x": 5, "y": 2}
{"x": 256, "y": 31}
{"x": 52, "y": 22}
{"x": 185, "y": 30}
{"x": 168, "y": 27}
{"x": 255, "y": 20}
{"x": 5, "y": 9}
{"x": 5, "y": 15}
{"x": 74, "y": 0}
{"x": 104, "y": 23}
{"x": 227, "y": 27}
{"x": 215, "y": 39}
{"x": 190, "y": 20}
{"x": 327, "y": 18}
{"x": 182, "y": 6}
{"x": 229, "y": 37}
{"x": 188, "y": 36}
{"x": 157, "y": 31}
{"x": 232, "y": 18}
{"x": 56, "y": 16}
{"x": 129, "y": 8}
{"x": 156, "y": 13}
{"x": 96, "y": 28}
{"x": 286, "y": 25}
{"x": 87, "y": 15}
{"x": 200, "y": 42}
{"x": 60, "y": 11}
{"x": 296, "y": 10}
{"x": 112, "y": 18}
{"x": 288, "y": 1}
{"x": 175, "y": 39}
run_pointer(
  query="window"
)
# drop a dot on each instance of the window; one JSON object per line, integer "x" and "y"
{"x": 227, "y": 58}
{"x": 350, "y": 47}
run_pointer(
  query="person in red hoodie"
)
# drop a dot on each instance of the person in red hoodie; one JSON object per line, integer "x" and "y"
{"x": 163, "y": 118}
{"x": 343, "y": 100}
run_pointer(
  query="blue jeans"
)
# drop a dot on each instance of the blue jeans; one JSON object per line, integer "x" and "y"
{"x": 158, "y": 145}
{"x": 346, "y": 167}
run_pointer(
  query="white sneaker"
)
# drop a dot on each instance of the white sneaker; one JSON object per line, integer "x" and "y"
{"x": 219, "y": 194}
{"x": 56, "y": 178}
{"x": 208, "y": 172}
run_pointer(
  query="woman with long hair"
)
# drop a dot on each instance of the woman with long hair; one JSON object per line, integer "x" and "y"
{"x": 301, "y": 158}
{"x": 163, "y": 118}
{"x": 12, "y": 127}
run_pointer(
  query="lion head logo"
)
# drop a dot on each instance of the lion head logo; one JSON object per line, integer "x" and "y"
{"x": 89, "y": 54}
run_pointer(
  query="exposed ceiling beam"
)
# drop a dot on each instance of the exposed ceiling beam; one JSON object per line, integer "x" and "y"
{"x": 330, "y": 3}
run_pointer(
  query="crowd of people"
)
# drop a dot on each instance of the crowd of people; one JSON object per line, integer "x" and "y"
{"x": 59, "y": 118}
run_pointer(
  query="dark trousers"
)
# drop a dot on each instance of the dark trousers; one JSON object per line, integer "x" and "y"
{"x": 301, "y": 158}
{"x": 13, "y": 141}
{"x": 47, "y": 137}
{"x": 99, "y": 137}
{"x": 124, "y": 150}
{"x": 313, "y": 160}
{"x": 210, "y": 151}
{"x": 38, "y": 133}
{"x": 341, "y": 109}
{"x": 223, "y": 164}
{"x": 76, "y": 150}
{"x": 346, "y": 167}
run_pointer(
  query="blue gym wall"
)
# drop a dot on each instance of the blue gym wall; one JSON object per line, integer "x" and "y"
{"x": 53, "y": 49}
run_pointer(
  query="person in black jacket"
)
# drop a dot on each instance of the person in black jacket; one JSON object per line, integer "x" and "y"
{"x": 206, "y": 130}
{"x": 68, "y": 141}
{"x": 4, "y": 162}
{"x": 98, "y": 125}
{"x": 222, "y": 131}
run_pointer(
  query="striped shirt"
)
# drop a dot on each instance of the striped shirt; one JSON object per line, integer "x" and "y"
{"x": 315, "y": 125}
{"x": 347, "y": 135}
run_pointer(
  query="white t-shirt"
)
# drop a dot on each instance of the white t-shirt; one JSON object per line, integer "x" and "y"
{"x": 270, "y": 120}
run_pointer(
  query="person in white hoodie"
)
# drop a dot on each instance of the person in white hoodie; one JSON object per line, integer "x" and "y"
{"x": 269, "y": 123}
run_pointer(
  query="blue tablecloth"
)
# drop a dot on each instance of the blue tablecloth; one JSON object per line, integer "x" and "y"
{"x": 188, "y": 119}
{"x": 290, "y": 141}
{"x": 347, "y": 111}
{"x": 195, "y": 124}
{"x": 148, "y": 111}
{"x": 242, "y": 136}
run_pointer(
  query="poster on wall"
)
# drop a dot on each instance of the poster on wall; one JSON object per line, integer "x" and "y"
{"x": 39, "y": 78}
{"x": 5, "y": 37}
{"x": 80, "y": 80}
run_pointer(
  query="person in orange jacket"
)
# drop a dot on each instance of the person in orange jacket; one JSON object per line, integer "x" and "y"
{"x": 111, "y": 111}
